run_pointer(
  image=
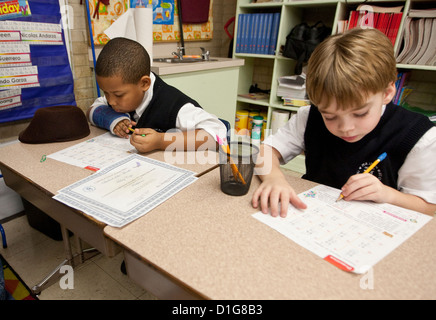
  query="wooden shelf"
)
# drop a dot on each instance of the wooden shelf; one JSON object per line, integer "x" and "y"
{"x": 292, "y": 13}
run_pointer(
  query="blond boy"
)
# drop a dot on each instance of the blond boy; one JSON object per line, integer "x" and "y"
{"x": 351, "y": 82}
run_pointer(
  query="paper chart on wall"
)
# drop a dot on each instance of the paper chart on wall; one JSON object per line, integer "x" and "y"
{"x": 95, "y": 153}
{"x": 126, "y": 190}
{"x": 353, "y": 235}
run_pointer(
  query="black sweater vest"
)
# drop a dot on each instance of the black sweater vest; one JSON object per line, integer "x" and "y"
{"x": 331, "y": 161}
{"x": 161, "y": 113}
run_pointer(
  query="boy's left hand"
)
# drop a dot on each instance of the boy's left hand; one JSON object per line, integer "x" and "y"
{"x": 146, "y": 140}
{"x": 365, "y": 186}
{"x": 122, "y": 128}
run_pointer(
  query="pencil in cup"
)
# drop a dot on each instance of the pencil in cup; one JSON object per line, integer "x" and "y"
{"x": 368, "y": 170}
{"x": 226, "y": 149}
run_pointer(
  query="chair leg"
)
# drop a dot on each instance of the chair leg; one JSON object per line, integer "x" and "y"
{"x": 2, "y": 231}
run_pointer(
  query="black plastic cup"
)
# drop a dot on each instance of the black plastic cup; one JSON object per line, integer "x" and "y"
{"x": 236, "y": 167}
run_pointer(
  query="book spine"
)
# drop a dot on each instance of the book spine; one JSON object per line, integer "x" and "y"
{"x": 274, "y": 33}
{"x": 268, "y": 29}
{"x": 261, "y": 38}
{"x": 245, "y": 36}
{"x": 253, "y": 32}
{"x": 239, "y": 33}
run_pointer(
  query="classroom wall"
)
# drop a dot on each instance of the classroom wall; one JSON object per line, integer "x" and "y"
{"x": 84, "y": 82}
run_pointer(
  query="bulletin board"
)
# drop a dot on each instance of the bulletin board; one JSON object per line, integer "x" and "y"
{"x": 35, "y": 71}
{"x": 162, "y": 32}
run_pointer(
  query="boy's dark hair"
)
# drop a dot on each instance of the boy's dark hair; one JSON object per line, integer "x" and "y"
{"x": 125, "y": 58}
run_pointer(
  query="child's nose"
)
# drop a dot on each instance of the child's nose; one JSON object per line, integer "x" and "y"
{"x": 111, "y": 101}
{"x": 345, "y": 125}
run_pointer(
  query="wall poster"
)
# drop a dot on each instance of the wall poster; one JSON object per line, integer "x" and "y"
{"x": 35, "y": 70}
{"x": 165, "y": 20}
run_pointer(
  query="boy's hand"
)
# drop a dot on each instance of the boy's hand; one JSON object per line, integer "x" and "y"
{"x": 146, "y": 140}
{"x": 122, "y": 128}
{"x": 365, "y": 186}
{"x": 275, "y": 190}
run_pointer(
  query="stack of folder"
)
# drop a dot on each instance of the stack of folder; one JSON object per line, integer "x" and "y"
{"x": 257, "y": 33}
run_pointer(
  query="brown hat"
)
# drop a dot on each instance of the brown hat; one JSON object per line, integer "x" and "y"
{"x": 56, "y": 124}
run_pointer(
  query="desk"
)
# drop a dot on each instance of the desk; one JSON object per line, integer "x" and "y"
{"x": 203, "y": 244}
{"x": 38, "y": 181}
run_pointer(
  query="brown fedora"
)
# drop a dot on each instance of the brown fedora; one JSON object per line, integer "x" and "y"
{"x": 56, "y": 124}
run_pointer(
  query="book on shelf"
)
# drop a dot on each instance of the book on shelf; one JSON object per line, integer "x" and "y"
{"x": 431, "y": 114}
{"x": 400, "y": 86}
{"x": 404, "y": 93}
{"x": 419, "y": 38}
{"x": 422, "y": 13}
{"x": 385, "y": 19}
{"x": 257, "y": 33}
{"x": 255, "y": 96}
{"x": 288, "y": 101}
{"x": 292, "y": 87}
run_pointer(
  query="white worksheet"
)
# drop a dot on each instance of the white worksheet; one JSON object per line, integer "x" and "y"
{"x": 126, "y": 190}
{"x": 95, "y": 153}
{"x": 352, "y": 235}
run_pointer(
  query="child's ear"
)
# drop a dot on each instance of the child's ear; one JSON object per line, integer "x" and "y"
{"x": 145, "y": 83}
{"x": 389, "y": 93}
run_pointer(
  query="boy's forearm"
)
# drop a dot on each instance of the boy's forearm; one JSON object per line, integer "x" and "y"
{"x": 268, "y": 162}
{"x": 103, "y": 116}
{"x": 411, "y": 202}
{"x": 188, "y": 140}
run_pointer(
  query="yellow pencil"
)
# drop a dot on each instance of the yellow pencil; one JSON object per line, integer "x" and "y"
{"x": 235, "y": 170}
{"x": 368, "y": 170}
{"x": 133, "y": 131}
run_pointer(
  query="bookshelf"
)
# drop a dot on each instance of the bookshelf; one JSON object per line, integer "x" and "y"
{"x": 269, "y": 67}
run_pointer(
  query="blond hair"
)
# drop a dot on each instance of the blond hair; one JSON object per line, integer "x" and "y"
{"x": 350, "y": 66}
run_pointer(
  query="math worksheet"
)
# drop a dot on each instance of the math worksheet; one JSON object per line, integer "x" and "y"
{"x": 352, "y": 235}
{"x": 95, "y": 153}
{"x": 126, "y": 190}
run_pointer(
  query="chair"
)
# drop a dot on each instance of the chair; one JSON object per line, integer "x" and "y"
{"x": 228, "y": 128}
{"x": 2, "y": 231}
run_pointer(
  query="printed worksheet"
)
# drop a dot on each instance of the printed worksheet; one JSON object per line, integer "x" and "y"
{"x": 352, "y": 235}
{"x": 95, "y": 153}
{"x": 126, "y": 190}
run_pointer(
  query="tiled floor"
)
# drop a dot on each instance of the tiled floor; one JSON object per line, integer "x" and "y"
{"x": 34, "y": 255}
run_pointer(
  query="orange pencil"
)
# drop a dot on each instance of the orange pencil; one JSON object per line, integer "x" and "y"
{"x": 235, "y": 170}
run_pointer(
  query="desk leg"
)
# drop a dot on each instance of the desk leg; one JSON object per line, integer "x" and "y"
{"x": 70, "y": 259}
